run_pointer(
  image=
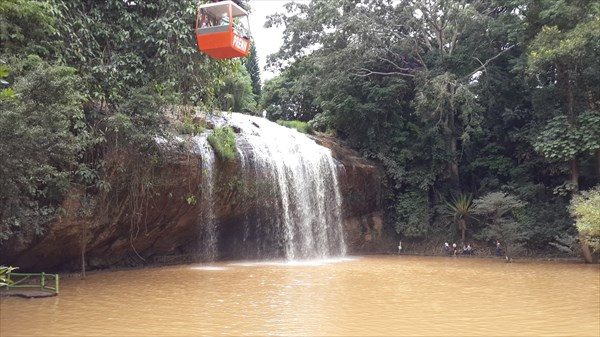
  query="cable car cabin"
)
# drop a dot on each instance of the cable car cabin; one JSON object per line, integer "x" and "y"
{"x": 216, "y": 32}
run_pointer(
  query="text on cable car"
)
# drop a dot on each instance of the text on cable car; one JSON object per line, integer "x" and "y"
{"x": 239, "y": 42}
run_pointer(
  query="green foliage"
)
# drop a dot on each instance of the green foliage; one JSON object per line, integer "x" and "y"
{"x": 497, "y": 205}
{"x": 500, "y": 211}
{"x": 302, "y": 127}
{"x": 236, "y": 92}
{"x": 191, "y": 127}
{"x": 42, "y": 135}
{"x": 413, "y": 215}
{"x": 138, "y": 121}
{"x": 222, "y": 141}
{"x": 564, "y": 58}
{"x": 26, "y": 26}
{"x": 460, "y": 209}
{"x": 288, "y": 97}
{"x": 253, "y": 68}
{"x": 191, "y": 199}
{"x": 5, "y": 93}
{"x": 445, "y": 101}
{"x": 554, "y": 45}
{"x": 545, "y": 217}
{"x": 561, "y": 141}
{"x": 585, "y": 208}
{"x": 122, "y": 45}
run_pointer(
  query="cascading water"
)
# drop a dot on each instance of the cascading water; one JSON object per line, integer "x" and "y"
{"x": 208, "y": 237}
{"x": 291, "y": 199}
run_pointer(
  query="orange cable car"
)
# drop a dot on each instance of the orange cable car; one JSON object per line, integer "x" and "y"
{"x": 216, "y": 32}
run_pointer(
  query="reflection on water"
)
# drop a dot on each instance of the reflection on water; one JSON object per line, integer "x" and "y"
{"x": 387, "y": 295}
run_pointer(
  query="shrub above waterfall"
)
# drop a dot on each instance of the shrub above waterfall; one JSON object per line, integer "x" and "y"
{"x": 222, "y": 141}
{"x": 298, "y": 125}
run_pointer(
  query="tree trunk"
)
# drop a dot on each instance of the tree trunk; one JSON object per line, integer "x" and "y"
{"x": 83, "y": 248}
{"x": 585, "y": 250}
{"x": 574, "y": 175}
{"x": 571, "y": 117}
{"x": 83, "y": 263}
{"x": 454, "y": 175}
{"x": 453, "y": 145}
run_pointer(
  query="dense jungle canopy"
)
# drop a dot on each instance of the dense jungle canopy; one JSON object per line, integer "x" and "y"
{"x": 484, "y": 114}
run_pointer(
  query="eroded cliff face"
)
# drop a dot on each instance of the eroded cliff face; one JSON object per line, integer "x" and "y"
{"x": 131, "y": 231}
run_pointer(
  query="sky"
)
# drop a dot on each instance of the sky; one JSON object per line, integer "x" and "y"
{"x": 268, "y": 40}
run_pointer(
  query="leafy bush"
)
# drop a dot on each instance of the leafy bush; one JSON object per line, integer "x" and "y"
{"x": 139, "y": 120}
{"x": 190, "y": 127}
{"x": 302, "y": 127}
{"x": 413, "y": 215}
{"x": 42, "y": 134}
{"x": 499, "y": 210}
{"x": 222, "y": 141}
{"x": 585, "y": 207}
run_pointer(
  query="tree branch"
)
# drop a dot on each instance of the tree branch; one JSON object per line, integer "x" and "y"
{"x": 364, "y": 72}
{"x": 394, "y": 64}
{"x": 483, "y": 65}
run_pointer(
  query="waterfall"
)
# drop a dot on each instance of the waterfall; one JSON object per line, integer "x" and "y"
{"x": 291, "y": 201}
{"x": 208, "y": 236}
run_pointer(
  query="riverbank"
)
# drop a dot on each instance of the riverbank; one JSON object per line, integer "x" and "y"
{"x": 541, "y": 259}
{"x": 435, "y": 247}
{"x": 25, "y": 293}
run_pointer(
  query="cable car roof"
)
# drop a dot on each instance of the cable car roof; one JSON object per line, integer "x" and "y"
{"x": 220, "y": 9}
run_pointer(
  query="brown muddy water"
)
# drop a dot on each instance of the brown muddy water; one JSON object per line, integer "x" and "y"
{"x": 355, "y": 296}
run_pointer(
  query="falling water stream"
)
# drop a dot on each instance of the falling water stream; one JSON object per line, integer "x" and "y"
{"x": 208, "y": 235}
{"x": 292, "y": 191}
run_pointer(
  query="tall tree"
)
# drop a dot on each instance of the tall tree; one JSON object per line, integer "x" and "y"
{"x": 428, "y": 44}
{"x": 253, "y": 68}
{"x": 565, "y": 56}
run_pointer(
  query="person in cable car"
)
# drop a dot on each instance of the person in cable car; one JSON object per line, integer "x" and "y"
{"x": 219, "y": 31}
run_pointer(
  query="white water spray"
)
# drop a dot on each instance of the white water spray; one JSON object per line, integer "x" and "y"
{"x": 302, "y": 206}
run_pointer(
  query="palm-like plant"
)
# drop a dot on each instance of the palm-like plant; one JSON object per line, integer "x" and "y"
{"x": 5, "y": 275}
{"x": 460, "y": 208}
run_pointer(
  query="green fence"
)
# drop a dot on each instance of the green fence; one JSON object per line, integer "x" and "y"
{"x": 43, "y": 282}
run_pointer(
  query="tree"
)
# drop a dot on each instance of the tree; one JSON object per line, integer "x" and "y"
{"x": 289, "y": 96}
{"x": 42, "y": 134}
{"x": 122, "y": 45}
{"x": 26, "y": 26}
{"x": 236, "y": 92}
{"x": 498, "y": 210}
{"x": 253, "y": 68}
{"x": 460, "y": 208}
{"x": 565, "y": 54}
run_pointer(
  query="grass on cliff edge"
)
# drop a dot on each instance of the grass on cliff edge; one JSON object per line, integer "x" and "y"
{"x": 302, "y": 127}
{"x": 222, "y": 141}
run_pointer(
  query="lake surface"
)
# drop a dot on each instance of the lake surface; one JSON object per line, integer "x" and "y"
{"x": 355, "y": 296}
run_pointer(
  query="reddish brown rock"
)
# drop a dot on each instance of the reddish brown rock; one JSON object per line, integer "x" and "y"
{"x": 128, "y": 232}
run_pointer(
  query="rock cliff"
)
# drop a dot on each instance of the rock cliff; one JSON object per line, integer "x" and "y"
{"x": 132, "y": 231}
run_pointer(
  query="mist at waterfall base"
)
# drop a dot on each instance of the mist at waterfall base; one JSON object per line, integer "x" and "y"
{"x": 290, "y": 196}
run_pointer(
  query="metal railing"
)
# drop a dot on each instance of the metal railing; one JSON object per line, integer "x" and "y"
{"x": 43, "y": 282}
